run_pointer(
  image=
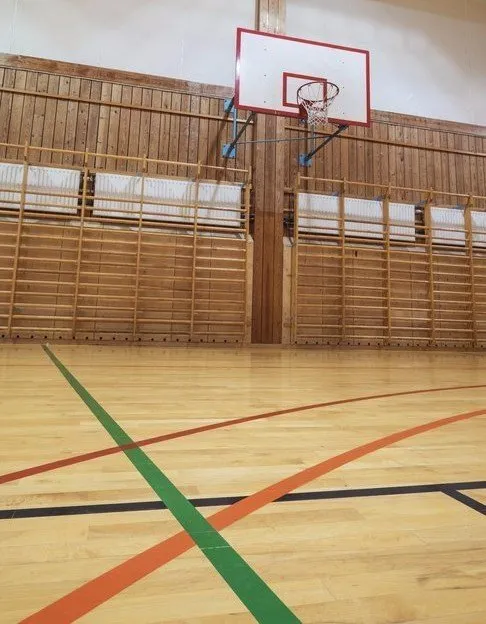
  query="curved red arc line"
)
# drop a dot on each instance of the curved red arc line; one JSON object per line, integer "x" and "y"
{"x": 78, "y": 459}
{"x": 97, "y": 591}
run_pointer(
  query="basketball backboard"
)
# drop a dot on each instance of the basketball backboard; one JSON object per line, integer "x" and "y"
{"x": 271, "y": 68}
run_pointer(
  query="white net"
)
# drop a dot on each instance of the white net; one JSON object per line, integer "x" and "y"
{"x": 315, "y": 98}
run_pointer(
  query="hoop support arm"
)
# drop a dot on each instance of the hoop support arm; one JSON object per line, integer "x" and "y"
{"x": 229, "y": 149}
{"x": 306, "y": 159}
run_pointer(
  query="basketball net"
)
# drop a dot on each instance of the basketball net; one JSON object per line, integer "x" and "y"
{"x": 315, "y": 99}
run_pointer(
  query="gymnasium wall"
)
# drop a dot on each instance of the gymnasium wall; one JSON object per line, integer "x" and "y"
{"x": 185, "y": 39}
{"x": 427, "y": 55}
{"x": 60, "y": 106}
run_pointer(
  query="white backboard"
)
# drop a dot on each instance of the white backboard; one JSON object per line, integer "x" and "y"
{"x": 270, "y": 69}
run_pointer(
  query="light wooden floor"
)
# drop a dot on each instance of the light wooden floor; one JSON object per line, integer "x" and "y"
{"x": 409, "y": 558}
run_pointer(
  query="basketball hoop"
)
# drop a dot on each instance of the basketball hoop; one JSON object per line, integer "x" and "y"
{"x": 314, "y": 99}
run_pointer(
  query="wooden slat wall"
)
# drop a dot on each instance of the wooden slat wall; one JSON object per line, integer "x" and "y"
{"x": 123, "y": 277}
{"x": 121, "y": 113}
{"x": 78, "y": 120}
{"x": 401, "y": 151}
{"x": 350, "y": 289}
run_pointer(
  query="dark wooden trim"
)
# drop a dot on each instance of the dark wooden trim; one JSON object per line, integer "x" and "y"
{"x": 117, "y": 76}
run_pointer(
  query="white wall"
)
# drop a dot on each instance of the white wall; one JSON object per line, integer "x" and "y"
{"x": 428, "y": 56}
{"x": 187, "y": 39}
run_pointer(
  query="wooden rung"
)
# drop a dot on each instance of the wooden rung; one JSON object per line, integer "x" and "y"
{"x": 225, "y": 269}
{"x": 104, "y": 319}
{"x": 42, "y": 317}
{"x": 37, "y": 282}
{"x": 45, "y": 305}
{"x": 42, "y": 329}
{"x": 97, "y": 296}
{"x": 359, "y": 287}
{"x": 216, "y": 333}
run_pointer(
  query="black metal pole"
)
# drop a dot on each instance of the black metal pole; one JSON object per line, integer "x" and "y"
{"x": 242, "y": 129}
{"x": 325, "y": 142}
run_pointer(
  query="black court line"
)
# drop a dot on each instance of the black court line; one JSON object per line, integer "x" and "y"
{"x": 450, "y": 489}
{"x": 465, "y": 500}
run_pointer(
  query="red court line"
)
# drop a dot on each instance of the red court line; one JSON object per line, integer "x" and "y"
{"x": 78, "y": 459}
{"x": 97, "y": 591}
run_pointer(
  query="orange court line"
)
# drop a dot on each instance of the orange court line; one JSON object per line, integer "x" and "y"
{"x": 112, "y": 450}
{"x": 97, "y": 591}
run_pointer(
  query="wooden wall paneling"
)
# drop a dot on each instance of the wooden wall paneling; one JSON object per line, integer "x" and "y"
{"x": 124, "y": 128}
{"x": 39, "y": 112}
{"x": 154, "y": 132}
{"x": 400, "y": 160}
{"x": 112, "y": 146}
{"x": 474, "y": 167}
{"x": 439, "y": 182}
{"x": 134, "y": 131}
{"x": 458, "y": 165}
{"x": 49, "y": 119}
{"x": 71, "y": 121}
{"x": 392, "y": 162}
{"x": 415, "y": 168}
{"x": 193, "y": 132}
{"x": 423, "y": 173}
{"x": 60, "y": 121}
{"x": 173, "y": 132}
{"x": 15, "y": 120}
{"x": 145, "y": 138}
{"x": 478, "y": 143}
{"x": 80, "y": 132}
{"x": 362, "y": 191}
{"x": 202, "y": 153}
{"x": 104, "y": 128}
{"x": 451, "y": 164}
{"x": 183, "y": 148}
{"x": 93, "y": 118}
{"x": 28, "y": 110}
{"x": 4, "y": 106}
{"x": 215, "y": 138}
{"x": 467, "y": 164}
{"x": 407, "y": 156}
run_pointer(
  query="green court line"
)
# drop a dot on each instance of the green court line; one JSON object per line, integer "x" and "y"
{"x": 253, "y": 592}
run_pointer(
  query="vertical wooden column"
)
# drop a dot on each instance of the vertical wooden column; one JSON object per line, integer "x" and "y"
{"x": 18, "y": 244}
{"x": 387, "y": 249}
{"x": 430, "y": 256}
{"x": 342, "y": 242}
{"x": 268, "y": 179}
{"x": 470, "y": 251}
{"x": 79, "y": 255}
{"x": 139, "y": 248}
